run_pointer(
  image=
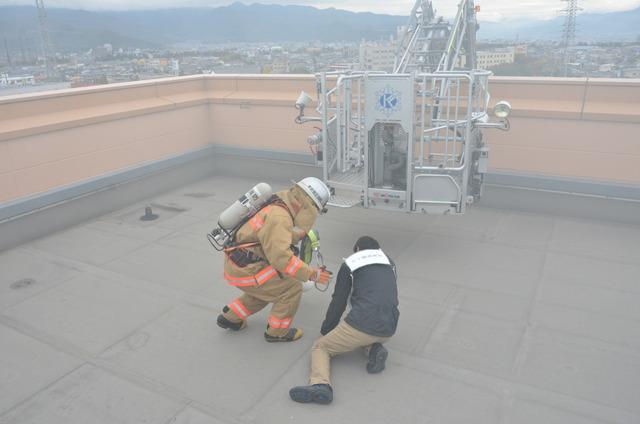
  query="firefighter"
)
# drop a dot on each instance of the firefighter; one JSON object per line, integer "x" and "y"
{"x": 260, "y": 261}
{"x": 368, "y": 279}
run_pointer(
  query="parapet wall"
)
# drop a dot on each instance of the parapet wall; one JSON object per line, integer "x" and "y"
{"x": 567, "y": 128}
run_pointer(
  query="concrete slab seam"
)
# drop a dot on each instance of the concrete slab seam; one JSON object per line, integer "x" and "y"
{"x": 42, "y": 389}
{"x": 428, "y": 334}
{"x": 525, "y": 340}
{"x": 501, "y": 386}
{"x": 87, "y": 358}
{"x": 304, "y": 354}
{"x": 50, "y": 287}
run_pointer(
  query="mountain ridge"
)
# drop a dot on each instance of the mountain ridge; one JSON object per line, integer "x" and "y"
{"x": 74, "y": 29}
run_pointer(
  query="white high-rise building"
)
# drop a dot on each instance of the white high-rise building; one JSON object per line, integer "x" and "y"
{"x": 377, "y": 56}
{"x": 175, "y": 67}
{"x": 490, "y": 58}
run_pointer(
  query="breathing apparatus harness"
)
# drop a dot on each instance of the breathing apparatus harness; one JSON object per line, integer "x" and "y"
{"x": 238, "y": 253}
{"x": 242, "y": 257}
{"x": 223, "y": 238}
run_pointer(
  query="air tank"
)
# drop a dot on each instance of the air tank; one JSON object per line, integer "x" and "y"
{"x": 247, "y": 204}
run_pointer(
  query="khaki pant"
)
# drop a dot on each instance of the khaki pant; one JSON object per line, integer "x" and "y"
{"x": 285, "y": 295}
{"x": 342, "y": 339}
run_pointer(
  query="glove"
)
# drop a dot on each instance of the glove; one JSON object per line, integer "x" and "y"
{"x": 321, "y": 275}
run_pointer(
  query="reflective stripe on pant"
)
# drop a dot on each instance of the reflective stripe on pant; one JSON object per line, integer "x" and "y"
{"x": 275, "y": 322}
{"x": 285, "y": 295}
{"x": 342, "y": 339}
{"x": 243, "y": 307}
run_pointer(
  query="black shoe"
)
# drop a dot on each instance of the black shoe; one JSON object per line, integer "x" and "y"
{"x": 377, "y": 358}
{"x": 230, "y": 325}
{"x": 292, "y": 335}
{"x": 318, "y": 393}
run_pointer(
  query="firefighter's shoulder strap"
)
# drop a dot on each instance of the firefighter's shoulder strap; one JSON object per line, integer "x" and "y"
{"x": 256, "y": 223}
{"x": 277, "y": 201}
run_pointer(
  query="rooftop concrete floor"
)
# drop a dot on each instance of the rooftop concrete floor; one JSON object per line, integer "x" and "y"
{"x": 505, "y": 318}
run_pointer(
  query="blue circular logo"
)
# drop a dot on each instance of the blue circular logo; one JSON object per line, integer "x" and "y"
{"x": 389, "y": 101}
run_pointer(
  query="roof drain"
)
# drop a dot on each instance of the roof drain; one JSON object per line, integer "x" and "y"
{"x": 148, "y": 215}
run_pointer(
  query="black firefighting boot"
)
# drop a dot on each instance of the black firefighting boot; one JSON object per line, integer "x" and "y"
{"x": 230, "y": 325}
{"x": 318, "y": 393}
{"x": 377, "y": 358}
{"x": 291, "y": 336}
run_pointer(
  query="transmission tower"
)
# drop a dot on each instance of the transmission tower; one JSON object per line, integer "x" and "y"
{"x": 47, "y": 47}
{"x": 568, "y": 32}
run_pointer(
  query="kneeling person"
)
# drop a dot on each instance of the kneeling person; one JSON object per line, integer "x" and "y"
{"x": 368, "y": 279}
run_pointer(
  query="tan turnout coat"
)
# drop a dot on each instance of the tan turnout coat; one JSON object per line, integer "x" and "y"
{"x": 273, "y": 228}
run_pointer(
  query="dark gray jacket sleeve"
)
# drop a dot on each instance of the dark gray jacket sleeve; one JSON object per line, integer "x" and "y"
{"x": 338, "y": 301}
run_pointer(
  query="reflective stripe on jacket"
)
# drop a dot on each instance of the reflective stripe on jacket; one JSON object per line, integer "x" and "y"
{"x": 255, "y": 280}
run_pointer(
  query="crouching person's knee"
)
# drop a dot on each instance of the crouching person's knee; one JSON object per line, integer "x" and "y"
{"x": 294, "y": 290}
{"x": 322, "y": 345}
{"x": 318, "y": 345}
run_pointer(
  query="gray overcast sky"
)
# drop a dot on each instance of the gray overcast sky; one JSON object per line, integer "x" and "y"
{"x": 493, "y": 10}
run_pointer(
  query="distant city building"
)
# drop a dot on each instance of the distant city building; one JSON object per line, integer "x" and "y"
{"x": 88, "y": 80}
{"x": 104, "y": 51}
{"x": 521, "y": 50}
{"x": 276, "y": 50}
{"x": 491, "y": 58}
{"x": 606, "y": 67}
{"x": 175, "y": 67}
{"x": 277, "y": 67}
{"x": 20, "y": 81}
{"x": 631, "y": 73}
{"x": 377, "y": 56}
{"x": 342, "y": 67}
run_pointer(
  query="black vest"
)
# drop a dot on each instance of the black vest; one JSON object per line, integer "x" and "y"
{"x": 374, "y": 300}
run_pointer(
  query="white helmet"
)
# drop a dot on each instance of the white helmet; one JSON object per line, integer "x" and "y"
{"x": 316, "y": 190}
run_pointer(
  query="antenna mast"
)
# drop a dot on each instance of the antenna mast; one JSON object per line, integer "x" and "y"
{"x": 47, "y": 47}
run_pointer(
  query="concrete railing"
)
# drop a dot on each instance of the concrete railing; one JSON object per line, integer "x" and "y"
{"x": 573, "y": 128}
{"x": 570, "y": 128}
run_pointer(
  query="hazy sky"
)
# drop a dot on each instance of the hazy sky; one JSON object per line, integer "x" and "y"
{"x": 493, "y": 10}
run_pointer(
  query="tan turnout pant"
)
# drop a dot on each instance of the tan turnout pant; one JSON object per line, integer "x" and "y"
{"x": 285, "y": 295}
{"x": 342, "y": 339}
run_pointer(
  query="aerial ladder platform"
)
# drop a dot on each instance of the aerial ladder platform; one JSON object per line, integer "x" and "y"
{"x": 410, "y": 140}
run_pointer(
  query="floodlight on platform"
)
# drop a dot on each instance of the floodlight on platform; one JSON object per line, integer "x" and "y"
{"x": 502, "y": 109}
{"x": 303, "y": 100}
